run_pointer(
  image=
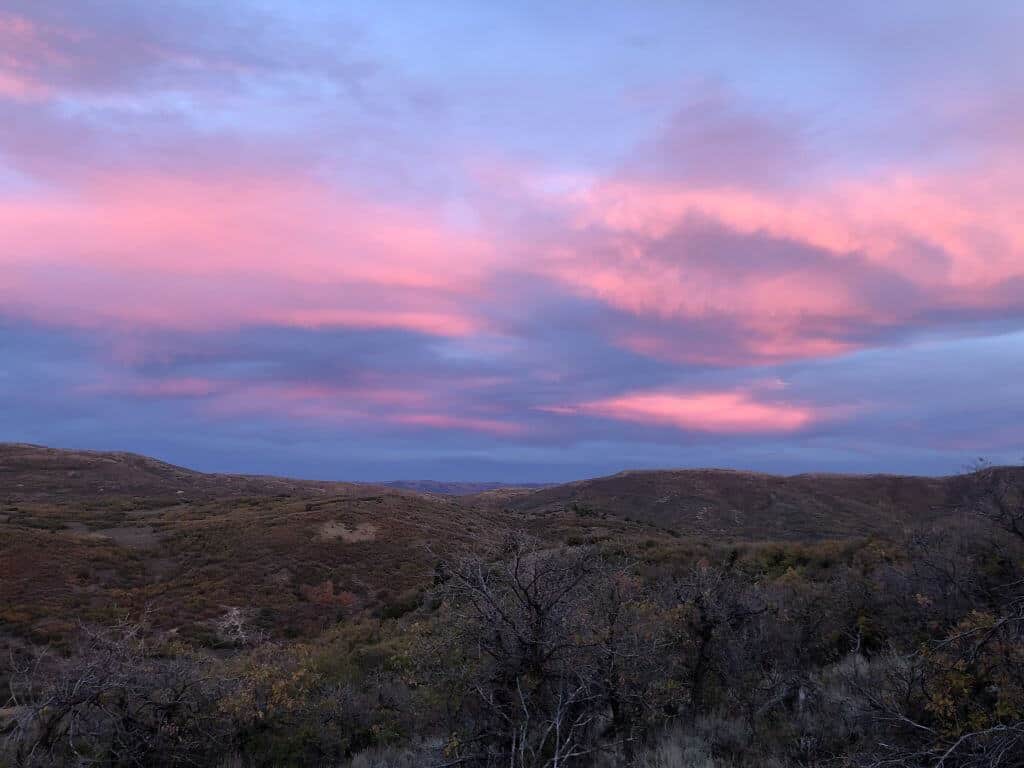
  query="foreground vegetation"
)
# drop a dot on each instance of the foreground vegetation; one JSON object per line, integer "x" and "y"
{"x": 534, "y": 648}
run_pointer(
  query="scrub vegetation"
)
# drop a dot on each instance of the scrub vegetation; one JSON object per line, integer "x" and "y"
{"x": 154, "y": 616}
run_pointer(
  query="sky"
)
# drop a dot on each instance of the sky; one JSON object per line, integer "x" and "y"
{"x": 523, "y": 241}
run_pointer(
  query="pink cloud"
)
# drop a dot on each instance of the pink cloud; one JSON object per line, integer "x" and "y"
{"x": 201, "y": 253}
{"x": 970, "y": 215}
{"x": 811, "y": 271}
{"x": 14, "y": 86}
{"x": 219, "y": 226}
{"x": 373, "y": 406}
{"x": 437, "y": 323}
{"x": 732, "y": 412}
{"x": 784, "y": 347}
{"x": 234, "y": 248}
{"x": 47, "y": 52}
{"x": 25, "y": 50}
{"x": 372, "y": 403}
{"x": 448, "y": 421}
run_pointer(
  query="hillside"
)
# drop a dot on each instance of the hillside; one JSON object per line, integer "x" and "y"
{"x": 37, "y": 473}
{"x": 91, "y": 536}
{"x": 752, "y": 506}
{"x": 339, "y": 624}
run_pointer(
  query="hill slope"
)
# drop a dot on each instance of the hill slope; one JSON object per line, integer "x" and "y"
{"x": 93, "y": 536}
{"x": 752, "y": 506}
{"x": 90, "y": 536}
{"x": 33, "y": 472}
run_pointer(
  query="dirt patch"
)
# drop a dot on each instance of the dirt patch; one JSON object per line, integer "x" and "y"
{"x": 350, "y": 534}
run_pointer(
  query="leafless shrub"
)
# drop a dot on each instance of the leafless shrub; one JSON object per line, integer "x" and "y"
{"x": 116, "y": 702}
{"x": 558, "y": 664}
{"x": 235, "y": 629}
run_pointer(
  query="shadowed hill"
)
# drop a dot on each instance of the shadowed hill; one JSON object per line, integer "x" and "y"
{"x": 747, "y": 505}
{"x": 35, "y": 472}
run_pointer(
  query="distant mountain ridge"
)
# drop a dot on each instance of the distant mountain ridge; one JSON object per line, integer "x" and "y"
{"x": 457, "y": 488}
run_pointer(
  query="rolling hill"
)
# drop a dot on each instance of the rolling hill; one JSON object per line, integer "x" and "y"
{"x": 747, "y": 505}
{"x": 89, "y": 536}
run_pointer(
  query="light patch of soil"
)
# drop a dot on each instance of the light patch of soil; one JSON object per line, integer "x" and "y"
{"x": 335, "y": 531}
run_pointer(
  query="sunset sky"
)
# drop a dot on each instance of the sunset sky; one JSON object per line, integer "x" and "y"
{"x": 514, "y": 241}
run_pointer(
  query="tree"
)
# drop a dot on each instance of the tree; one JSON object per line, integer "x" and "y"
{"x": 558, "y": 663}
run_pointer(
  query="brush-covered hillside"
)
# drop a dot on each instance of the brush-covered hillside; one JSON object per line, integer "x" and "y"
{"x": 86, "y": 536}
{"x": 749, "y": 505}
{"x": 155, "y": 615}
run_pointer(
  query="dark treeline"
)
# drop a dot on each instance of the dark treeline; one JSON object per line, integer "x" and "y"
{"x": 906, "y": 651}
